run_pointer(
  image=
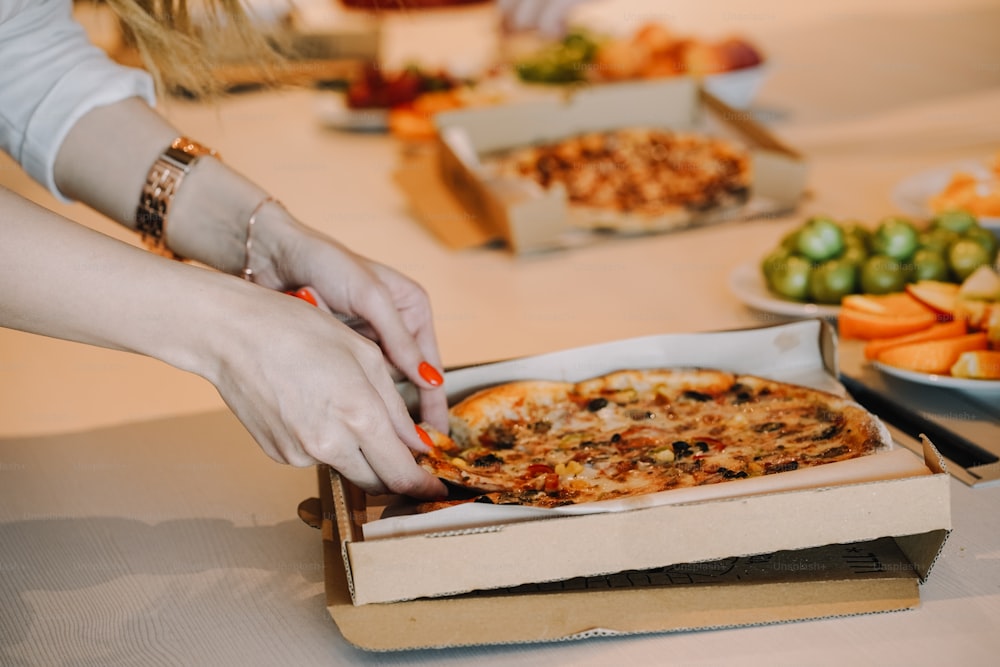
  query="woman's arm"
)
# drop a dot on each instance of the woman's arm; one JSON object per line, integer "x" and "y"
{"x": 208, "y": 222}
{"x": 307, "y": 388}
{"x": 103, "y": 163}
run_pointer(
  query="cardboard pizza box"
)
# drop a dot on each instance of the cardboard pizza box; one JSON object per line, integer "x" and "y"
{"x": 830, "y": 550}
{"x": 452, "y": 195}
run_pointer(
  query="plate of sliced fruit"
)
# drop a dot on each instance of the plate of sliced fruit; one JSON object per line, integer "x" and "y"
{"x": 934, "y": 333}
{"x": 823, "y": 261}
{"x": 969, "y": 185}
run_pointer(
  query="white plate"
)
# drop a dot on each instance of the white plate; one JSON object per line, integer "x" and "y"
{"x": 913, "y": 193}
{"x": 333, "y": 112}
{"x": 978, "y": 387}
{"x": 747, "y": 282}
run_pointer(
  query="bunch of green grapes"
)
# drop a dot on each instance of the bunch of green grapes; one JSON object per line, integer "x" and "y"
{"x": 824, "y": 260}
{"x": 566, "y": 61}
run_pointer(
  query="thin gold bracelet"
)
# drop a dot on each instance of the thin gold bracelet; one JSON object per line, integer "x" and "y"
{"x": 247, "y": 271}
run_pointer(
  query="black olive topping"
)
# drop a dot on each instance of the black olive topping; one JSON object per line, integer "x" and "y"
{"x": 499, "y": 437}
{"x": 596, "y": 404}
{"x": 828, "y": 432}
{"x": 487, "y": 461}
{"x": 834, "y": 452}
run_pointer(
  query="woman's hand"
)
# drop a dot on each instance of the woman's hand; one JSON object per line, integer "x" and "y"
{"x": 389, "y": 308}
{"x": 309, "y": 389}
{"x": 306, "y": 386}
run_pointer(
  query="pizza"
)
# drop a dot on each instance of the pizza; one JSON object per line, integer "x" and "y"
{"x": 549, "y": 444}
{"x": 636, "y": 178}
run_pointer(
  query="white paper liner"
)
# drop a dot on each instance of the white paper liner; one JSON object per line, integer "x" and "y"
{"x": 791, "y": 353}
{"x": 894, "y": 463}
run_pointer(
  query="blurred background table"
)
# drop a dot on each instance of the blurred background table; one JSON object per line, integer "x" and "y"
{"x": 140, "y": 524}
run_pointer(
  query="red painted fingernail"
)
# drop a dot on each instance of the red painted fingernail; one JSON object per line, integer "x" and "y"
{"x": 424, "y": 437}
{"x": 430, "y": 374}
{"x": 303, "y": 294}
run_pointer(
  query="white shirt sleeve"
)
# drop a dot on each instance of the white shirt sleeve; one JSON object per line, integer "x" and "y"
{"x": 50, "y": 76}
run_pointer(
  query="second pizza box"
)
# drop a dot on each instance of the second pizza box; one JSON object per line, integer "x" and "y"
{"x": 833, "y": 549}
{"x": 465, "y": 205}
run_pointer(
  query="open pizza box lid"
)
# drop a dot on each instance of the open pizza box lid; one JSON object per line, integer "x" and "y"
{"x": 452, "y": 194}
{"x": 831, "y": 549}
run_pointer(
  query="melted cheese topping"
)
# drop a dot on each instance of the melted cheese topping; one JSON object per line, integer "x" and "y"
{"x": 645, "y": 431}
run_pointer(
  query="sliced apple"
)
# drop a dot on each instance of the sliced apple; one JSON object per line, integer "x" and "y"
{"x": 978, "y": 364}
{"x": 864, "y": 303}
{"x": 993, "y": 326}
{"x": 983, "y": 284}
{"x": 894, "y": 304}
{"x": 974, "y": 311}
{"x": 940, "y": 331}
{"x": 937, "y": 295}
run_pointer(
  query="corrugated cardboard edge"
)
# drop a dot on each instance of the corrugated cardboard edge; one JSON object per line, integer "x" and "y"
{"x": 923, "y": 553}
{"x": 436, "y": 207}
{"x": 778, "y": 174}
{"x": 565, "y": 616}
{"x": 856, "y": 512}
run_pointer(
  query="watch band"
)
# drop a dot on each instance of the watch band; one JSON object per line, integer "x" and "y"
{"x": 162, "y": 182}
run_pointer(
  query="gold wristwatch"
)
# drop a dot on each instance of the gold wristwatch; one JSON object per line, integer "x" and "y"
{"x": 162, "y": 182}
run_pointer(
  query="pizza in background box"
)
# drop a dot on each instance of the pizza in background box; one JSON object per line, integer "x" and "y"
{"x": 636, "y": 179}
{"x": 550, "y": 444}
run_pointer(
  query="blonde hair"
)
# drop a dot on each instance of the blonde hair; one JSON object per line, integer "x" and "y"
{"x": 177, "y": 50}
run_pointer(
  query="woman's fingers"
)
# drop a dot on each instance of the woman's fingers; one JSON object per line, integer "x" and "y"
{"x": 433, "y": 402}
{"x": 397, "y": 315}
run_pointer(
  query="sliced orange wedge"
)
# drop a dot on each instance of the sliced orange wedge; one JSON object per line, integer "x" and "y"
{"x": 940, "y": 331}
{"x": 936, "y": 356}
{"x": 867, "y": 326}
